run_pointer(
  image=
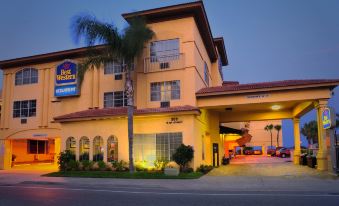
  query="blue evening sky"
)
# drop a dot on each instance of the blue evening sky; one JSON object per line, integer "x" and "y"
{"x": 265, "y": 40}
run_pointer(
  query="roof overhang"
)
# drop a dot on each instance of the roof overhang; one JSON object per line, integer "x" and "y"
{"x": 219, "y": 42}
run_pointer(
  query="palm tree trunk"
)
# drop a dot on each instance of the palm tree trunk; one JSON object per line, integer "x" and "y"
{"x": 278, "y": 138}
{"x": 271, "y": 139}
{"x": 130, "y": 111}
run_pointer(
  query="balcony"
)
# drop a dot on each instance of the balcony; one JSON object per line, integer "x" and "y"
{"x": 163, "y": 63}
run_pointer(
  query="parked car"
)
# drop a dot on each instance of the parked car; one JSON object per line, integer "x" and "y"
{"x": 283, "y": 152}
{"x": 257, "y": 152}
{"x": 248, "y": 152}
{"x": 273, "y": 152}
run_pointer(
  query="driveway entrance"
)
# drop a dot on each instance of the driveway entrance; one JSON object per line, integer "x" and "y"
{"x": 252, "y": 165}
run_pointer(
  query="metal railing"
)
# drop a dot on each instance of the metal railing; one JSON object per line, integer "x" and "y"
{"x": 163, "y": 63}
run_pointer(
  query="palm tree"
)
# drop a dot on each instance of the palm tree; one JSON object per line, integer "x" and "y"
{"x": 121, "y": 47}
{"x": 310, "y": 131}
{"x": 269, "y": 128}
{"x": 278, "y": 128}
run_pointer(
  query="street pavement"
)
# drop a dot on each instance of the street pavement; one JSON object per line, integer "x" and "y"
{"x": 225, "y": 185}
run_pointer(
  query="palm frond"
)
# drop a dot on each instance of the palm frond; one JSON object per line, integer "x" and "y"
{"x": 135, "y": 37}
{"x": 94, "y": 31}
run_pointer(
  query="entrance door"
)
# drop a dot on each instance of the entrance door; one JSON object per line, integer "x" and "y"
{"x": 215, "y": 155}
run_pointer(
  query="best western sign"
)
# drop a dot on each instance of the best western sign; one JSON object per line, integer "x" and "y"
{"x": 328, "y": 118}
{"x": 66, "y": 80}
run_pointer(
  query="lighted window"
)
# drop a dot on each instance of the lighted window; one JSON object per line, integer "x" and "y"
{"x": 206, "y": 74}
{"x": 84, "y": 146}
{"x": 112, "y": 149}
{"x": 71, "y": 144}
{"x": 37, "y": 146}
{"x": 26, "y": 108}
{"x": 26, "y": 76}
{"x": 115, "y": 99}
{"x": 98, "y": 150}
{"x": 151, "y": 147}
{"x": 164, "y": 51}
{"x": 165, "y": 91}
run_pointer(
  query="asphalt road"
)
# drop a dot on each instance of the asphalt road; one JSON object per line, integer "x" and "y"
{"x": 50, "y": 195}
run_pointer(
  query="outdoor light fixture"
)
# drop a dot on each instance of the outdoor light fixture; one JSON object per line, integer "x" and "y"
{"x": 276, "y": 107}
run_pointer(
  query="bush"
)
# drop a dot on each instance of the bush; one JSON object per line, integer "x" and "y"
{"x": 98, "y": 157}
{"x": 64, "y": 160}
{"x": 160, "y": 165}
{"x": 204, "y": 168}
{"x": 102, "y": 165}
{"x": 183, "y": 155}
{"x": 119, "y": 165}
{"x": 84, "y": 156}
{"x": 73, "y": 165}
{"x": 187, "y": 170}
{"x": 87, "y": 165}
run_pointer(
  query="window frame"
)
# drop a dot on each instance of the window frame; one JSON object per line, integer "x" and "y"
{"x": 31, "y": 78}
{"x": 206, "y": 74}
{"x": 165, "y": 91}
{"x": 111, "y": 103}
{"x": 24, "y": 108}
{"x": 163, "y": 51}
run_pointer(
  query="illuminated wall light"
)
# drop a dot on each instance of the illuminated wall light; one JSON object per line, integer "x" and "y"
{"x": 276, "y": 107}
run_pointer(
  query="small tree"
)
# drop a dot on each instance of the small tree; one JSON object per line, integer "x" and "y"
{"x": 269, "y": 128}
{"x": 64, "y": 159}
{"x": 183, "y": 155}
{"x": 310, "y": 131}
{"x": 278, "y": 128}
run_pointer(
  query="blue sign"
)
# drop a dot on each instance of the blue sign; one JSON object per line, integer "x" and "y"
{"x": 66, "y": 73}
{"x": 66, "y": 90}
{"x": 66, "y": 80}
{"x": 326, "y": 117}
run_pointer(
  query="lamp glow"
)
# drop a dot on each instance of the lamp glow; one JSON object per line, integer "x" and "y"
{"x": 276, "y": 107}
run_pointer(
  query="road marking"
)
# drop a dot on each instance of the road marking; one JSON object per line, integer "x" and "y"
{"x": 174, "y": 193}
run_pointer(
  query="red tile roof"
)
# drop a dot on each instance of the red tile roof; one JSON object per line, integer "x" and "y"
{"x": 232, "y": 87}
{"x": 122, "y": 111}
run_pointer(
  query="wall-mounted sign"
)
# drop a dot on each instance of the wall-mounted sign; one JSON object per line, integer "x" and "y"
{"x": 174, "y": 120}
{"x": 66, "y": 79}
{"x": 257, "y": 96}
{"x": 328, "y": 118}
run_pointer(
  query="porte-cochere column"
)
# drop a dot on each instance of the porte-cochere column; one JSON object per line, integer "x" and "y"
{"x": 322, "y": 153}
{"x": 296, "y": 154}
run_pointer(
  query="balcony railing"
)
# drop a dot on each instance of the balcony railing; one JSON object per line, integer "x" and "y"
{"x": 163, "y": 63}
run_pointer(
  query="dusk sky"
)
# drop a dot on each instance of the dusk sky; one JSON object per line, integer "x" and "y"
{"x": 265, "y": 40}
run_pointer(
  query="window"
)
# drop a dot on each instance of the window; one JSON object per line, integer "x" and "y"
{"x": 115, "y": 99}
{"x": 84, "y": 146}
{"x": 151, "y": 147}
{"x": 26, "y": 108}
{"x": 112, "y": 149}
{"x": 165, "y": 91}
{"x": 98, "y": 150}
{"x": 113, "y": 68}
{"x": 206, "y": 74}
{"x": 26, "y": 76}
{"x": 164, "y": 51}
{"x": 37, "y": 146}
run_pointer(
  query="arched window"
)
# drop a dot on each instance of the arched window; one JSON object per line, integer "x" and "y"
{"x": 26, "y": 76}
{"x": 112, "y": 149}
{"x": 98, "y": 150}
{"x": 71, "y": 144}
{"x": 84, "y": 149}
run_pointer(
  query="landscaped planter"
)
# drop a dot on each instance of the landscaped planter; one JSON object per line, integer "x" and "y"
{"x": 171, "y": 171}
{"x": 303, "y": 160}
{"x": 311, "y": 161}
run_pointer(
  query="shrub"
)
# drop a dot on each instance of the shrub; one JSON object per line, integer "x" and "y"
{"x": 119, "y": 165}
{"x": 160, "y": 165}
{"x": 98, "y": 157}
{"x": 64, "y": 159}
{"x": 102, "y": 165}
{"x": 84, "y": 156}
{"x": 204, "y": 168}
{"x": 183, "y": 155}
{"x": 187, "y": 170}
{"x": 87, "y": 165}
{"x": 73, "y": 165}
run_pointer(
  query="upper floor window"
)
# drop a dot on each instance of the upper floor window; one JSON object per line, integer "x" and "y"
{"x": 165, "y": 91}
{"x": 26, "y": 76}
{"x": 115, "y": 99}
{"x": 164, "y": 51}
{"x": 206, "y": 74}
{"x": 25, "y": 108}
{"x": 113, "y": 68}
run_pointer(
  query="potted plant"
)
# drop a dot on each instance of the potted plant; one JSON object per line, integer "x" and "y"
{"x": 311, "y": 159}
{"x": 171, "y": 169}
